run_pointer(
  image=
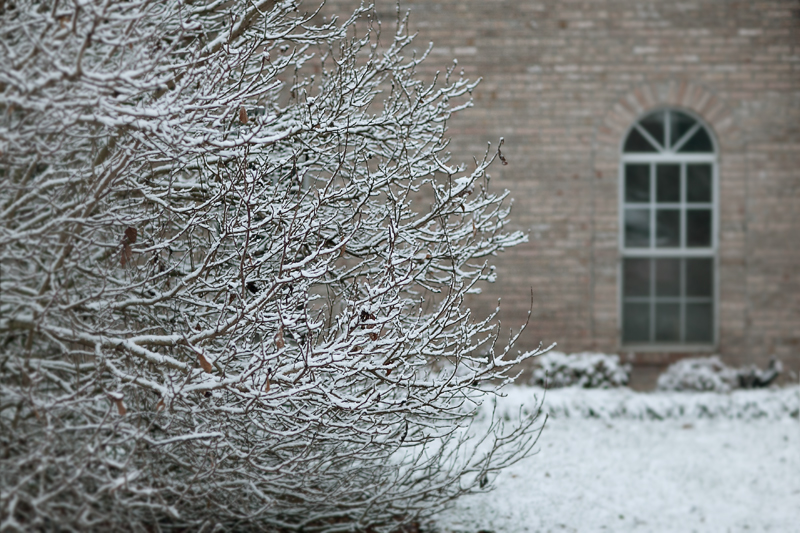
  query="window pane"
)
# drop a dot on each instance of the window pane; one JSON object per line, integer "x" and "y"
{"x": 698, "y": 183}
{"x": 698, "y": 228}
{"x": 668, "y": 183}
{"x": 636, "y": 277}
{"x": 699, "y": 323}
{"x": 668, "y": 277}
{"x": 700, "y": 277}
{"x": 654, "y": 124}
{"x": 636, "y": 323}
{"x": 637, "y": 228}
{"x": 668, "y": 228}
{"x": 680, "y": 123}
{"x": 637, "y": 183}
{"x": 637, "y": 143}
{"x": 700, "y": 142}
{"x": 668, "y": 322}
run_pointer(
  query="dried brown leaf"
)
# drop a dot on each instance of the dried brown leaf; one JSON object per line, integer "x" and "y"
{"x": 127, "y": 252}
{"x": 499, "y": 153}
{"x": 204, "y": 364}
{"x": 116, "y": 397}
{"x": 130, "y": 235}
{"x": 279, "y": 338}
{"x": 243, "y": 115}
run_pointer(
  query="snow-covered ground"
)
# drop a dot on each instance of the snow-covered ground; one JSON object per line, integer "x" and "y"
{"x": 616, "y": 460}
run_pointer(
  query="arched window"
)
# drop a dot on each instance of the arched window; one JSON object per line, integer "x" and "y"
{"x": 668, "y": 234}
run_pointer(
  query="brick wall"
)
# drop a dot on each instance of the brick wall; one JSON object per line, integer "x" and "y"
{"x": 562, "y": 82}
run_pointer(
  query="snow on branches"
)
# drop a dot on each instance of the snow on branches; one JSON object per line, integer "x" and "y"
{"x": 233, "y": 253}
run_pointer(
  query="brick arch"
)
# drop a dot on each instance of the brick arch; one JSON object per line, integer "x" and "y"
{"x": 680, "y": 94}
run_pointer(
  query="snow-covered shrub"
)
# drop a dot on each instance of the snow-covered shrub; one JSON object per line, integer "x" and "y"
{"x": 219, "y": 306}
{"x": 711, "y": 374}
{"x": 752, "y": 377}
{"x": 587, "y": 370}
{"x": 699, "y": 374}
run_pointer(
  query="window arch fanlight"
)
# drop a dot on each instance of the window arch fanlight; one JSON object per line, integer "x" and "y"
{"x": 668, "y": 236}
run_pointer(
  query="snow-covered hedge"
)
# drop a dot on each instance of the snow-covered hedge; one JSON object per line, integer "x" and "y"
{"x": 711, "y": 374}
{"x": 623, "y": 403}
{"x": 587, "y": 370}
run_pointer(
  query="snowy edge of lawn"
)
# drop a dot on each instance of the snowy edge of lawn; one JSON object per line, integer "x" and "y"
{"x": 624, "y": 403}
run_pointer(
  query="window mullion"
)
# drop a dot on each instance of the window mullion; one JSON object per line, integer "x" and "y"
{"x": 652, "y": 206}
{"x": 682, "y": 275}
{"x": 686, "y": 136}
{"x": 650, "y": 139}
{"x": 652, "y": 300}
{"x": 684, "y": 226}
{"x": 667, "y": 129}
{"x": 652, "y": 246}
{"x": 682, "y": 305}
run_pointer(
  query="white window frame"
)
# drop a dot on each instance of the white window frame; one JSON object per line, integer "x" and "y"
{"x": 669, "y": 155}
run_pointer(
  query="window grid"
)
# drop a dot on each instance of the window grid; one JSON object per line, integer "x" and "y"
{"x": 683, "y": 206}
{"x": 692, "y": 214}
{"x": 682, "y": 300}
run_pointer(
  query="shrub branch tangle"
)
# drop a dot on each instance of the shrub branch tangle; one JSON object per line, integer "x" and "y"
{"x": 219, "y": 304}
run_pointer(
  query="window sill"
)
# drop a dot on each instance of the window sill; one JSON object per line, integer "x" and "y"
{"x": 669, "y": 348}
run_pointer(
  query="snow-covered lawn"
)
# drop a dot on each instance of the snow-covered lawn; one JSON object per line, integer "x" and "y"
{"x": 616, "y": 460}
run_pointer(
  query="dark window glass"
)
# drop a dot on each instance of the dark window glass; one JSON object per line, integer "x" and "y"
{"x": 668, "y": 323}
{"x": 700, "y": 277}
{"x": 636, "y": 322}
{"x": 636, "y": 276}
{"x": 637, "y": 183}
{"x": 680, "y": 124}
{"x": 698, "y": 228}
{"x": 637, "y": 228}
{"x": 668, "y": 277}
{"x": 668, "y": 183}
{"x": 654, "y": 125}
{"x": 700, "y": 142}
{"x": 668, "y": 228}
{"x": 637, "y": 143}
{"x": 698, "y": 183}
{"x": 699, "y": 323}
